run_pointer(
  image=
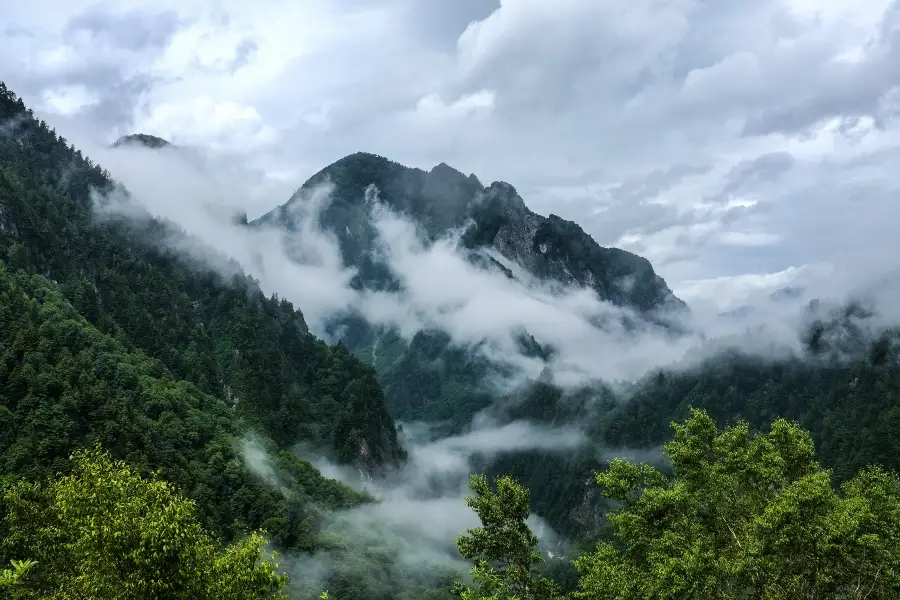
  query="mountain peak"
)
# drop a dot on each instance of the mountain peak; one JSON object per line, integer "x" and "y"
{"x": 361, "y": 158}
{"x": 444, "y": 170}
{"x": 444, "y": 199}
{"x": 507, "y": 189}
{"x": 142, "y": 139}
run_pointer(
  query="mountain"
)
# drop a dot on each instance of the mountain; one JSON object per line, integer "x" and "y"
{"x": 429, "y": 377}
{"x": 142, "y": 139}
{"x": 109, "y": 337}
{"x": 443, "y": 199}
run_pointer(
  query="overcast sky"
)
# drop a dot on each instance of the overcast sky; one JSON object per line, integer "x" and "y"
{"x": 733, "y": 143}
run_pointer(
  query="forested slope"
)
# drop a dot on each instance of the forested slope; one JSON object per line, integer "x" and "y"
{"x": 65, "y": 386}
{"x": 224, "y": 336}
{"x": 109, "y": 337}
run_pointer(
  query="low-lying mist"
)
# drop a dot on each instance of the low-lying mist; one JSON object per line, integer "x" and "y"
{"x": 410, "y": 528}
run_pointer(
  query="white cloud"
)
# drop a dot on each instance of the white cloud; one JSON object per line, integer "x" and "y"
{"x": 631, "y": 118}
{"x": 68, "y": 100}
{"x": 421, "y": 509}
{"x": 481, "y": 309}
{"x": 728, "y": 292}
{"x": 204, "y": 121}
{"x": 433, "y": 107}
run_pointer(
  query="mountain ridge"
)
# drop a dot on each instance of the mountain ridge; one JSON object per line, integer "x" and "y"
{"x": 444, "y": 198}
{"x": 430, "y": 377}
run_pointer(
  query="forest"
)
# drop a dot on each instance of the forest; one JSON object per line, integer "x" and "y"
{"x": 110, "y": 338}
{"x": 132, "y": 382}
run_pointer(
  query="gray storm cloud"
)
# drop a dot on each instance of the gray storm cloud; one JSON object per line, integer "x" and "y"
{"x": 583, "y": 120}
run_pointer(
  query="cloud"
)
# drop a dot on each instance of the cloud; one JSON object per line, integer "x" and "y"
{"x": 259, "y": 463}
{"x": 585, "y": 122}
{"x": 131, "y": 30}
{"x": 433, "y": 107}
{"x": 484, "y": 310}
{"x": 306, "y": 269}
{"x": 419, "y": 511}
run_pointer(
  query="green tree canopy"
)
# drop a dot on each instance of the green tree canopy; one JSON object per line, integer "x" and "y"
{"x": 745, "y": 516}
{"x": 104, "y": 532}
{"x": 504, "y": 550}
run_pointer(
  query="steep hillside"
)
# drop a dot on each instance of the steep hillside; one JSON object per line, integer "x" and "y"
{"x": 107, "y": 337}
{"x": 64, "y": 385}
{"x": 221, "y": 334}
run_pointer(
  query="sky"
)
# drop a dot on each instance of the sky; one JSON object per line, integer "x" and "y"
{"x": 737, "y": 145}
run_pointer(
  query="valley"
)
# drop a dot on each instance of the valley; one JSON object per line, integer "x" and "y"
{"x": 450, "y": 330}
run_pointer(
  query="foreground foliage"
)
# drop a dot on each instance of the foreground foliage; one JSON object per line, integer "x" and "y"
{"x": 104, "y": 532}
{"x": 745, "y": 516}
{"x": 504, "y": 549}
{"x": 742, "y": 515}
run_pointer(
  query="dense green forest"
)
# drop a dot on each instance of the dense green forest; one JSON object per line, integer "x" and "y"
{"x": 108, "y": 337}
{"x": 844, "y": 388}
{"x": 226, "y": 337}
{"x": 736, "y": 514}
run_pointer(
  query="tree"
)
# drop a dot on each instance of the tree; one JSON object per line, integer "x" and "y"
{"x": 104, "y": 532}
{"x": 504, "y": 550}
{"x": 14, "y": 576}
{"x": 745, "y": 516}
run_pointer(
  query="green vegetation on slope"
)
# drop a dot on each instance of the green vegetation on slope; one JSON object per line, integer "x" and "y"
{"x": 107, "y": 337}
{"x": 844, "y": 388}
{"x": 851, "y": 406}
{"x": 223, "y": 335}
{"x": 64, "y": 385}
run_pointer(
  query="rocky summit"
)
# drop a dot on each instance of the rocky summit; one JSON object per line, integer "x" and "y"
{"x": 495, "y": 218}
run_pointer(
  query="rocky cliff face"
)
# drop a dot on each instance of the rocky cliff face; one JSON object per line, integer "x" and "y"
{"x": 561, "y": 252}
{"x": 497, "y": 219}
